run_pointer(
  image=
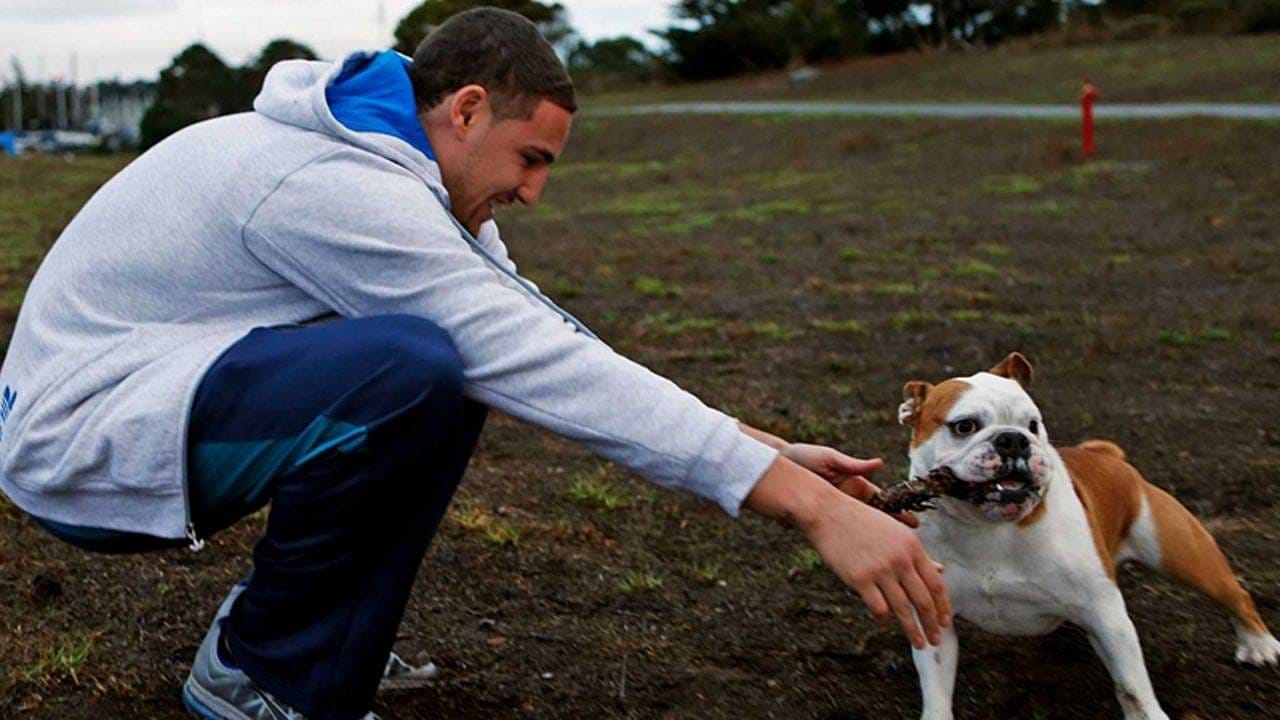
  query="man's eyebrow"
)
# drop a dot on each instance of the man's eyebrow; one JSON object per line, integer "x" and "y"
{"x": 543, "y": 155}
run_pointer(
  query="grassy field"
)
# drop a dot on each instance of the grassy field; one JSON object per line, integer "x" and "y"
{"x": 1239, "y": 68}
{"x": 796, "y": 273}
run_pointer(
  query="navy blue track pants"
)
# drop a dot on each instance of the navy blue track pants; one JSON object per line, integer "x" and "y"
{"x": 357, "y": 433}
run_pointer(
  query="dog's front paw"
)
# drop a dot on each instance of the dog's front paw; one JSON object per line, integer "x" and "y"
{"x": 1258, "y": 649}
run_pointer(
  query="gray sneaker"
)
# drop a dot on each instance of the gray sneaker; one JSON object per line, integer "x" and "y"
{"x": 214, "y": 691}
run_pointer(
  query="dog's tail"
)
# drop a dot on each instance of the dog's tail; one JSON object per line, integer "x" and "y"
{"x": 1106, "y": 447}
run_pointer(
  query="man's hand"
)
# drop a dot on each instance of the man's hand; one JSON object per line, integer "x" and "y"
{"x": 876, "y": 556}
{"x": 845, "y": 472}
{"x": 887, "y": 565}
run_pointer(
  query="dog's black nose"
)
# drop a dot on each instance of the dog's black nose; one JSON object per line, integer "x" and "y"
{"x": 1012, "y": 445}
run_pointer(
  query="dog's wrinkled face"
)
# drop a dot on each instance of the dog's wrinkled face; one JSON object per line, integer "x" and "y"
{"x": 988, "y": 432}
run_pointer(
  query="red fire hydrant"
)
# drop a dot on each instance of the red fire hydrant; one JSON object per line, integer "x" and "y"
{"x": 1088, "y": 94}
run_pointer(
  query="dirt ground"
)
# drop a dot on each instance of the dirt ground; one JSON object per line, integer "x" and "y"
{"x": 795, "y": 273}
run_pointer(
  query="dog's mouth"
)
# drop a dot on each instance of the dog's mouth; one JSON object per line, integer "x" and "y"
{"x": 1013, "y": 485}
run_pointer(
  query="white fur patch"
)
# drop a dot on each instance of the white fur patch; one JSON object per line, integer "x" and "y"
{"x": 907, "y": 412}
{"x": 1256, "y": 649}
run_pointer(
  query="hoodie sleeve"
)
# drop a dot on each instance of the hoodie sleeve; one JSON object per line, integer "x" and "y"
{"x": 368, "y": 238}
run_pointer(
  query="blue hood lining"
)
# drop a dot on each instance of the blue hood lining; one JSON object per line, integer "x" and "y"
{"x": 373, "y": 93}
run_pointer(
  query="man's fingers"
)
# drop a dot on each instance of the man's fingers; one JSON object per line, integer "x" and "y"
{"x": 875, "y": 603}
{"x": 901, "y": 605}
{"x": 854, "y": 466}
{"x": 931, "y": 575}
{"x": 857, "y": 486}
{"x": 926, "y": 611}
{"x": 908, "y": 519}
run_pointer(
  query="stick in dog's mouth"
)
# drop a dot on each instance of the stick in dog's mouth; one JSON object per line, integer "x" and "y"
{"x": 918, "y": 494}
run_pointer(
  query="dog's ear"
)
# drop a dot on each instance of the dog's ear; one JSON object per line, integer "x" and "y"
{"x": 1015, "y": 367}
{"x": 913, "y": 395}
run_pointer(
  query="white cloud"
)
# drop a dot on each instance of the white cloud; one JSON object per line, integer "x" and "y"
{"x": 137, "y": 38}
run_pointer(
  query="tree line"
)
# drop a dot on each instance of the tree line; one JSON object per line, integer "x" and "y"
{"x": 717, "y": 38}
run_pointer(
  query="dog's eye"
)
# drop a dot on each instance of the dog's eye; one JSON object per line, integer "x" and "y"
{"x": 967, "y": 426}
{"x": 1034, "y": 427}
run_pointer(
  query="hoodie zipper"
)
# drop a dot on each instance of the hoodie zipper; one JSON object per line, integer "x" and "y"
{"x": 196, "y": 543}
{"x": 524, "y": 284}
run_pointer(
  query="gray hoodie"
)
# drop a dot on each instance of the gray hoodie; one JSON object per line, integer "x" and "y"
{"x": 279, "y": 216}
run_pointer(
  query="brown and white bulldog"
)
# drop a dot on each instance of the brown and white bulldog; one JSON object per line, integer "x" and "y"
{"x": 1039, "y": 537}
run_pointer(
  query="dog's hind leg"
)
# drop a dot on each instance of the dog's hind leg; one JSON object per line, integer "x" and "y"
{"x": 1167, "y": 538}
{"x": 936, "y": 667}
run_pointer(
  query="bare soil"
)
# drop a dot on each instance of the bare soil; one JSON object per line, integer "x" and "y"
{"x": 796, "y": 273}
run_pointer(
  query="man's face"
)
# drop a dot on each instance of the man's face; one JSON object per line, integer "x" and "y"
{"x": 505, "y": 162}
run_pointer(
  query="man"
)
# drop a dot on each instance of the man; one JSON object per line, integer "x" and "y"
{"x": 310, "y": 305}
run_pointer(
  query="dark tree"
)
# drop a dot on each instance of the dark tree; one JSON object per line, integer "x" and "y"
{"x": 196, "y": 86}
{"x": 550, "y": 18}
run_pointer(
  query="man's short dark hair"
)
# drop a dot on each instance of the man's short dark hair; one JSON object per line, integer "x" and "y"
{"x": 499, "y": 50}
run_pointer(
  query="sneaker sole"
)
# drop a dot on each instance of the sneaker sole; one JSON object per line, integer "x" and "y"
{"x": 197, "y": 708}
{"x": 207, "y": 707}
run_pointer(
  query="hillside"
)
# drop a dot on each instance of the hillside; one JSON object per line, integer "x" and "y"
{"x": 1241, "y": 68}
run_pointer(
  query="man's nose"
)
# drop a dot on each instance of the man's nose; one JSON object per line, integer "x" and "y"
{"x": 1012, "y": 445}
{"x": 531, "y": 189}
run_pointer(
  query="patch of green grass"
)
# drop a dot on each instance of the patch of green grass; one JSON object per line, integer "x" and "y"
{"x": 898, "y": 288}
{"x": 708, "y": 571}
{"x": 1275, "y": 337}
{"x": 655, "y": 287}
{"x": 1010, "y": 185}
{"x": 469, "y": 516}
{"x": 788, "y": 180}
{"x": 1205, "y": 336}
{"x": 770, "y": 258}
{"x": 565, "y": 289}
{"x": 650, "y": 202}
{"x": 774, "y": 330}
{"x": 62, "y": 661}
{"x": 684, "y": 223}
{"x": 639, "y": 582}
{"x": 594, "y": 488}
{"x": 807, "y": 428}
{"x": 764, "y": 211}
{"x": 667, "y": 323}
{"x": 1048, "y": 208}
{"x": 912, "y": 319}
{"x": 545, "y": 212}
{"x": 502, "y": 534}
{"x": 966, "y": 315}
{"x": 971, "y": 267}
{"x": 609, "y": 170}
{"x": 806, "y": 560}
{"x": 844, "y": 327}
{"x": 1118, "y": 260}
{"x": 907, "y": 149}
{"x": 993, "y": 249}
{"x": 1082, "y": 176}
{"x": 851, "y": 254}
{"x": 841, "y": 390}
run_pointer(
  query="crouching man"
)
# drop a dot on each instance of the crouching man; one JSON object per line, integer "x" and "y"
{"x": 309, "y": 305}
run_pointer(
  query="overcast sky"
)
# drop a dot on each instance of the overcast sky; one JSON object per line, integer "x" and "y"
{"x": 134, "y": 39}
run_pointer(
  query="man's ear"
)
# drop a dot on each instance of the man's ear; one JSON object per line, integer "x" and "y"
{"x": 913, "y": 395}
{"x": 1015, "y": 367}
{"x": 466, "y": 105}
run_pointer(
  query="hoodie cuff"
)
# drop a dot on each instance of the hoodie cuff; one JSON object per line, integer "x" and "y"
{"x": 729, "y": 466}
